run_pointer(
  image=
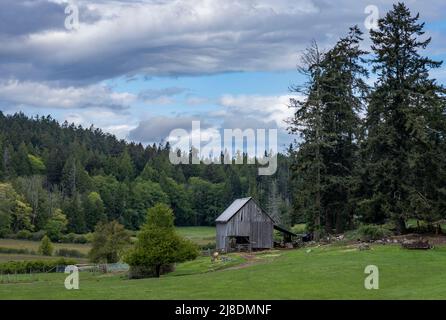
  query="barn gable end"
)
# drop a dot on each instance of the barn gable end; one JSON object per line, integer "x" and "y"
{"x": 244, "y": 222}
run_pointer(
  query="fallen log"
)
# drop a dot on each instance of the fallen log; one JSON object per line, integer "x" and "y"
{"x": 416, "y": 244}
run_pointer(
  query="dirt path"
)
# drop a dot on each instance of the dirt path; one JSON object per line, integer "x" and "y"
{"x": 251, "y": 259}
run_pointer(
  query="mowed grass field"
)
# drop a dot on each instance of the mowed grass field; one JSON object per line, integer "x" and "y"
{"x": 199, "y": 235}
{"x": 327, "y": 272}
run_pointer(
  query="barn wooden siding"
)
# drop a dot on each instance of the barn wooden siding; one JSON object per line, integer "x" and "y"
{"x": 250, "y": 221}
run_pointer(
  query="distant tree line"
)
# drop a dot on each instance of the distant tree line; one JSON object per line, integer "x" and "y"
{"x": 61, "y": 178}
{"x": 370, "y": 153}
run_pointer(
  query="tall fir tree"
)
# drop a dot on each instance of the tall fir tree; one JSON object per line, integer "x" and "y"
{"x": 307, "y": 122}
{"x": 343, "y": 93}
{"x": 329, "y": 125}
{"x": 405, "y": 122}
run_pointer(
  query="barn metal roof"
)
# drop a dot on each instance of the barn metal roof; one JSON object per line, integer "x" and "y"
{"x": 232, "y": 209}
{"x": 283, "y": 230}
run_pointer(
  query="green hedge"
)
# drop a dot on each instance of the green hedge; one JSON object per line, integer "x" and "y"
{"x": 17, "y": 251}
{"x": 35, "y": 266}
{"x": 74, "y": 238}
{"x": 373, "y": 232}
{"x": 70, "y": 253}
{"x": 24, "y": 235}
{"x": 210, "y": 245}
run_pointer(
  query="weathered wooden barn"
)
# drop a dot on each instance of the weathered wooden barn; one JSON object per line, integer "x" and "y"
{"x": 244, "y": 224}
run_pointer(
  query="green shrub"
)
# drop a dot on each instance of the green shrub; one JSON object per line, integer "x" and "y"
{"x": 210, "y": 245}
{"x": 67, "y": 238}
{"x": 13, "y": 267}
{"x": 370, "y": 232}
{"x": 299, "y": 228}
{"x": 37, "y": 236}
{"x": 4, "y": 232}
{"x": 158, "y": 244}
{"x": 89, "y": 237}
{"x": 70, "y": 253}
{"x": 420, "y": 226}
{"x": 277, "y": 236}
{"x": 74, "y": 238}
{"x": 108, "y": 243}
{"x": 24, "y": 235}
{"x": 16, "y": 251}
{"x": 46, "y": 247}
{"x": 80, "y": 238}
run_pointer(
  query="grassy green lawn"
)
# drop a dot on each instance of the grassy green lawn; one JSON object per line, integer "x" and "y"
{"x": 199, "y": 235}
{"x": 322, "y": 273}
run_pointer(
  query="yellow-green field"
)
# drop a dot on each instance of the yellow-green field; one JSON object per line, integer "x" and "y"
{"x": 6, "y": 257}
{"x": 200, "y": 235}
{"x": 34, "y": 245}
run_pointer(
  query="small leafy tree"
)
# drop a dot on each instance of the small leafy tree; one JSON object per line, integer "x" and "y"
{"x": 94, "y": 210}
{"x": 109, "y": 239}
{"x": 158, "y": 244}
{"x": 15, "y": 212}
{"x": 46, "y": 247}
{"x": 36, "y": 163}
{"x": 56, "y": 225}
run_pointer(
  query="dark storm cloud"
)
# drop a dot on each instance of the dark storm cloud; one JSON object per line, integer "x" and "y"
{"x": 171, "y": 37}
{"x": 23, "y": 17}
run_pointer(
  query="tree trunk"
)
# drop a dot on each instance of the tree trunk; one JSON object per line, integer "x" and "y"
{"x": 339, "y": 222}
{"x": 317, "y": 218}
{"x": 158, "y": 270}
{"x": 328, "y": 221}
{"x": 401, "y": 226}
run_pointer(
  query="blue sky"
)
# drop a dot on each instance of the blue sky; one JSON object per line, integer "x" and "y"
{"x": 141, "y": 68}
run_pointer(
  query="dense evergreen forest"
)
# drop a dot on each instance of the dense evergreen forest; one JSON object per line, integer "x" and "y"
{"x": 63, "y": 175}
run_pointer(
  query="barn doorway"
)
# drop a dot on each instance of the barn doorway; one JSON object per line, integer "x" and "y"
{"x": 239, "y": 243}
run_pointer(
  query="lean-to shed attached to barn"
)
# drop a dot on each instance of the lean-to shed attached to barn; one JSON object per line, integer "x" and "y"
{"x": 244, "y": 224}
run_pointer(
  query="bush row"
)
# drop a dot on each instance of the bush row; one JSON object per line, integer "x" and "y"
{"x": 27, "y": 235}
{"x": 36, "y": 266}
{"x": 69, "y": 253}
{"x": 210, "y": 245}
{"x": 17, "y": 251}
{"x": 37, "y": 236}
{"x": 75, "y": 238}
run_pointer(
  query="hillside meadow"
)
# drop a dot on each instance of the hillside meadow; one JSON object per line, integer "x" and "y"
{"x": 325, "y": 272}
{"x": 202, "y": 236}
